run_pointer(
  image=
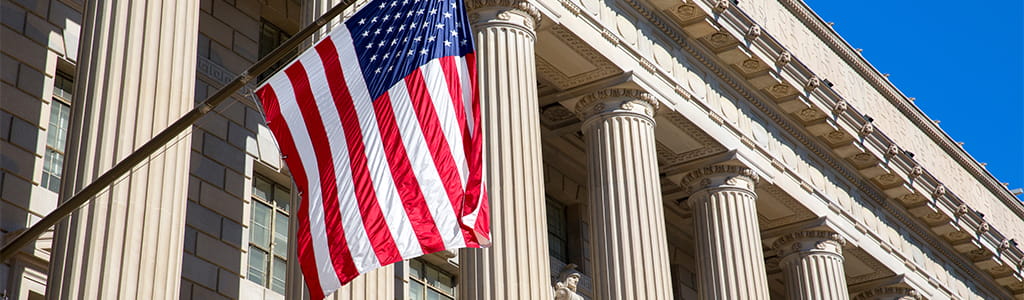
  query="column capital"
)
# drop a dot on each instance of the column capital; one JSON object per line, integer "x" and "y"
{"x": 610, "y": 102}
{"x": 814, "y": 241}
{"x": 504, "y": 10}
{"x": 720, "y": 176}
{"x": 889, "y": 293}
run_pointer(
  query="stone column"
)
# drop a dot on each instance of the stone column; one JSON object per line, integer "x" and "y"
{"x": 135, "y": 77}
{"x": 889, "y": 293}
{"x": 813, "y": 264}
{"x": 630, "y": 246}
{"x": 517, "y": 266}
{"x": 730, "y": 261}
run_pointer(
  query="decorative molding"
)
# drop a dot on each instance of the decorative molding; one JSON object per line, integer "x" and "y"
{"x": 800, "y": 213}
{"x": 880, "y": 271}
{"x": 894, "y": 293}
{"x": 616, "y": 101}
{"x": 603, "y": 67}
{"x": 520, "y": 5}
{"x": 709, "y": 145}
{"x": 716, "y": 176}
{"x": 901, "y": 102}
{"x": 557, "y": 116}
{"x": 809, "y": 241}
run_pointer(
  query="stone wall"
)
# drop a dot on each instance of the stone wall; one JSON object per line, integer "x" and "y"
{"x": 229, "y": 145}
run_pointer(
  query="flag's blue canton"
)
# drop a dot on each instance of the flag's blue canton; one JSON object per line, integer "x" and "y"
{"x": 392, "y": 38}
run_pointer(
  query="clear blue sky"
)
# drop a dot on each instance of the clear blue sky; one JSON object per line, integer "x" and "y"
{"x": 962, "y": 60}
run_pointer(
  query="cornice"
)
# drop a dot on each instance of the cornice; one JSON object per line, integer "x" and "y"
{"x": 901, "y": 102}
{"x": 826, "y": 155}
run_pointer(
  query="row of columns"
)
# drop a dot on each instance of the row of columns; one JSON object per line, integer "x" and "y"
{"x": 631, "y": 258}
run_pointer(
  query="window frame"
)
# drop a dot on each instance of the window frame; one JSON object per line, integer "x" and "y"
{"x": 424, "y": 281}
{"x": 63, "y": 91}
{"x": 280, "y": 37}
{"x": 563, "y": 235}
{"x": 278, "y": 207}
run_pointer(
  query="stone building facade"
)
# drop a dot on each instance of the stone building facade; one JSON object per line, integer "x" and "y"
{"x": 637, "y": 149}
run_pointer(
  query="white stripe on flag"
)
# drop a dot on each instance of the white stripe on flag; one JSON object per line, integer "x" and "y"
{"x": 434, "y": 78}
{"x": 423, "y": 166}
{"x": 317, "y": 227}
{"x": 376, "y": 161}
{"x": 467, "y": 92}
{"x": 352, "y": 221}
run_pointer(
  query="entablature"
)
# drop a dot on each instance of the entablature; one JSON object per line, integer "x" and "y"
{"x": 811, "y": 112}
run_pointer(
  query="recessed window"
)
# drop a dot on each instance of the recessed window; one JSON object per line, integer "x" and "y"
{"x": 271, "y": 37}
{"x": 268, "y": 234}
{"x": 428, "y": 282}
{"x": 57, "y": 132}
{"x": 558, "y": 237}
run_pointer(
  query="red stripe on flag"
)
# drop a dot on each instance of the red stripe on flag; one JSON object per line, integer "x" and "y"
{"x": 405, "y": 181}
{"x": 340, "y": 253}
{"x": 303, "y": 241}
{"x": 365, "y": 194}
{"x": 451, "y": 72}
{"x": 436, "y": 142}
{"x": 476, "y": 193}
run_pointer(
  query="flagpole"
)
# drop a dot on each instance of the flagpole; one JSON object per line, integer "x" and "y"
{"x": 168, "y": 134}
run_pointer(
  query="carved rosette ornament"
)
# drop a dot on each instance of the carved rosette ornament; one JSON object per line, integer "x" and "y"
{"x": 688, "y": 11}
{"x": 616, "y": 102}
{"x": 812, "y": 262}
{"x": 518, "y": 13}
{"x": 890, "y": 293}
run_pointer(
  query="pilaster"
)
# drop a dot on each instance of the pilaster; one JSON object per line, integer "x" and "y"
{"x": 517, "y": 267}
{"x": 625, "y": 196}
{"x": 730, "y": 261}
{"x": 126, "y": 243}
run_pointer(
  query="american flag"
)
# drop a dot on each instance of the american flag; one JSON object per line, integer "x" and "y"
{"x": 379, "y": 123}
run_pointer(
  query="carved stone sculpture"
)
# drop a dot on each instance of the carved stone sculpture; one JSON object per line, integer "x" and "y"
{"x": 565, "y": 284}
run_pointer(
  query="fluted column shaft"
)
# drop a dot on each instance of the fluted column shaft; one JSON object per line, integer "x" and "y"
{"x": 517, "y": 266}
{"x": 812, "y": 262}
{"x": 376, "y": 284}
{"x": 630, "y": 246}
{"x": 136, "y": 76}
{"x": 730, "y": 261}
